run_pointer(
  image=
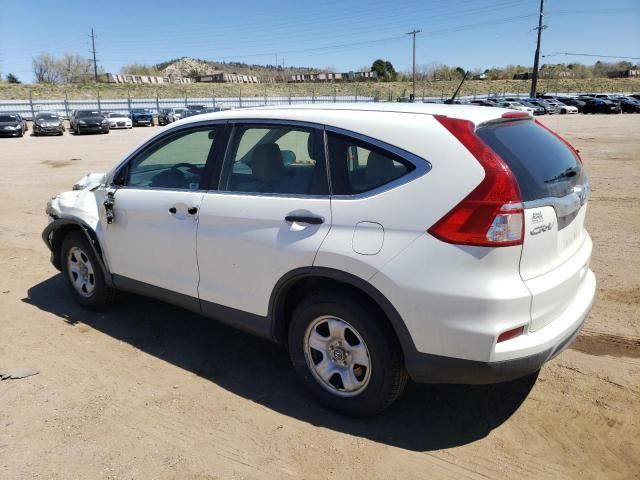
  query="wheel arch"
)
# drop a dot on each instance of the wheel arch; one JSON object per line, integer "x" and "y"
{"x": 55, "y": 233}
{"x": 293, "y": 285}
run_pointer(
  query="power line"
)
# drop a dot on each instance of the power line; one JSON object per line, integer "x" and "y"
{"x": 621, "y": 57}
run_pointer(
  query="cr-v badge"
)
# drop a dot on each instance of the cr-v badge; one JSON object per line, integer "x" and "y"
{"x": 541, "y": 228}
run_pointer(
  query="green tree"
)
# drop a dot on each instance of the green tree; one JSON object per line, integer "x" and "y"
{"x": 384, "y": 69}
{"x": 11, "y": 78}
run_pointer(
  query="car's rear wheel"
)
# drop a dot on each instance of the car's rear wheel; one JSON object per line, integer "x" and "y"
{"x": 346, "y": 354}
{"x": 83, "y": 273}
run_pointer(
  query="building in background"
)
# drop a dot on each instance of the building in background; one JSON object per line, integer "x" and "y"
{"x": 221, "y": 77}
{"x": 334, "y": 77}
{"x": 126, "y": 78}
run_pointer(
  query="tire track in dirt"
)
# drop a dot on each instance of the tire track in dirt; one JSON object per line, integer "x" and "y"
{"x": 597, "y": 343}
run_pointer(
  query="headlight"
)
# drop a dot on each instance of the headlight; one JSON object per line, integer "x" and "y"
{"x": 82, "y": 122}
{"x": 40, "y": 123}
{"x": 104, "y": 121}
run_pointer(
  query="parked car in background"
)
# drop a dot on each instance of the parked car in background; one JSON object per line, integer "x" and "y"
{"x": 11, "y": 125}
{"x": 628, "y": 104}
{"x": 118, "y": 120}
{"x": 297, "y": 237}
{"x": 189, "y": 113}
{"x": 482, "y": 103}
{"x": 48, "y": 123}
{"x": 175, "y": 114}
{"x": 198, "y": 108}
{"x": 141, "y": 116}
{"x": 538, "y": 102}
{"x": 517, "y": 106}
{"x": 537, "y": 110}
{"x": 635, "y": 95}
{"x": 574, "y": 102}
{"x": 88, "y": 121}
{"x": 163, "y": 116}
{"x": 599, "y": 105}
{"x": 563, "y": 108}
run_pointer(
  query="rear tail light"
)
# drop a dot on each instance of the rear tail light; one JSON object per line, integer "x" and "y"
{"x": 492, "y": 214}
{"x": 575, "y": 151}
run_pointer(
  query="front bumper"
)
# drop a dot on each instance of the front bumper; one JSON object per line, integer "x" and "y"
{"x": 49, "y": 130}
{"x": 93, "y": 128}
{"x": 116, "y": 125}
{"x": 9, "y": 133}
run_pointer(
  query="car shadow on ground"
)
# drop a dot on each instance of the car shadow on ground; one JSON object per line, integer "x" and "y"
{"x": 425, "y": 418}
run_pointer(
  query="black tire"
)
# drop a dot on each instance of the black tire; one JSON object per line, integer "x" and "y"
{"x": 102, "y": 295}
{"x": 388, "y": 375}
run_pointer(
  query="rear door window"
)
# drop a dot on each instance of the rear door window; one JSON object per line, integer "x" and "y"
{"x": 358, "y": 167}
{"x": 543, "y": 164}
{"x": 275, "y": 159}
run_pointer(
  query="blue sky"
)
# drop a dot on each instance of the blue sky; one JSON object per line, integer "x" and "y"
{"x": 346, "y": 35}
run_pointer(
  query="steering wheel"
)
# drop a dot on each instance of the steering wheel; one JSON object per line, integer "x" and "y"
{"x": 189, "y": 166}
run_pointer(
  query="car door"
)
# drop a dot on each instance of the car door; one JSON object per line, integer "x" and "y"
{"x": 151, "y": 242}
{"x": 269, "y": 216}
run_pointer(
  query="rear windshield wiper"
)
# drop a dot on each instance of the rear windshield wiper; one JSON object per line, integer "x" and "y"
{"x": 568, "y": 173}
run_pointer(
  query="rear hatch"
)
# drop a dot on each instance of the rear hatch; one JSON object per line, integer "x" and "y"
{"x": 554, "y": 189}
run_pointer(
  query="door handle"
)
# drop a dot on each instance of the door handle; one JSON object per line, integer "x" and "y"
{"x": 192, "y": 210}
{"x": 311, "y": 220}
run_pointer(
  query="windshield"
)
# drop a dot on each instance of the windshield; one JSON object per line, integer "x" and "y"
{"x": 88, "y": 113}
{"x": 47, "y": 116}
{"x": 8, "y": 118}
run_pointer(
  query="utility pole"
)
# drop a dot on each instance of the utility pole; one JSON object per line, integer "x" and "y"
{"x": 413, "y": 79}
{"x": 93, "y": 50}
{"x": 536, "y": 60}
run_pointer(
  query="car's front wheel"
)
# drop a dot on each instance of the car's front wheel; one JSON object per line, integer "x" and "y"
{"x": 83, "y": 273}
{"x": 346, "y": 354}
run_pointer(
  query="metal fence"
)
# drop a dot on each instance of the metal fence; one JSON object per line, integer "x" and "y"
{"x": 64, "y": 107}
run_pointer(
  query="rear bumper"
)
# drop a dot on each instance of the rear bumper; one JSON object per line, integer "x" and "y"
{"x": 427, "y": 368}
{"x": 547, "y": 343}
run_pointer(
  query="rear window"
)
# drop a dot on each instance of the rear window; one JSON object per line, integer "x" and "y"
{"x": 543, "y": 165}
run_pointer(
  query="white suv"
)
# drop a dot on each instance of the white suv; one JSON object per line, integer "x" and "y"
{"x": 444, "y": 243}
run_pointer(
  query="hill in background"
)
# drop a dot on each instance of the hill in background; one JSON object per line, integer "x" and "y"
{"x": 190, "y": 67}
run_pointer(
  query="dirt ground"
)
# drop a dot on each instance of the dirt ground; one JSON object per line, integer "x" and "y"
{"x": 149, "y": 391}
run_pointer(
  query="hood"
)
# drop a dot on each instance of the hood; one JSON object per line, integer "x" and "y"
{"x": 49, "y": 123}
{"x": 89, "y": 181}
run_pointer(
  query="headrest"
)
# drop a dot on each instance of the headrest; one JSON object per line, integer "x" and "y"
{"x": 379, "y": 169}
{"x": 266, "y": 162}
